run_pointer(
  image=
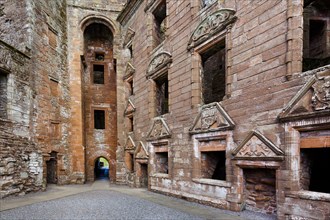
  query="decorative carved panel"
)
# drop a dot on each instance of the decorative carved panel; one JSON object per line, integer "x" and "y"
{"x": 313, "y": 99}
{"x": 211, "y": 25}
{"x": 130, "y": 144}
{"x": 130, "y": 108}
{"x": 141, "y": 151}
{"x": 257, "y": 147}
{"x": 211, "y": 117}
{"x": 159, "y": 129}
{"x": 160, "y": 61}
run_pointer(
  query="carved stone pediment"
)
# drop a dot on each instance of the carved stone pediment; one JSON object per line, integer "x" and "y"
{"x": 129, "y": 71}
{"x": 129, "y": 37}
{"x": 130, "y": 108}
{"x": 141, "y": 151}
{"x": 159, "y": 129}
{"x": 130, "y": 144}
{"x": 160, "y": 61}
{"x": 211, "y": 25}
{"x": 313, "y": 99}
{"x": 257, "y": 147}
{"x": 211, "y": 117}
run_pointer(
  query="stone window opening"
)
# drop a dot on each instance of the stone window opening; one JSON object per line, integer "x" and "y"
{"x": 213, "y": 73}
{"x": 98, "y": 74}
{"x": 99, "y": 56}
{"x": 99, "y": 119}
{"x": 314, "y": 158}
{"x": 130, "y": 86}
{"x": 162, "y": 106}
{"x": 316, "y": 52}
{"x": 213, "y": 165}
{"x": 161, "y": 159}
{"x": 159, "y": 15}
{"x": 3, "y": 95}
{"x": 130, "y": 48}
{"x": 130, "y": 124}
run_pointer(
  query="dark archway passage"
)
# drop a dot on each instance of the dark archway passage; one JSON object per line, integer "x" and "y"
{"x": 101, "y": 168}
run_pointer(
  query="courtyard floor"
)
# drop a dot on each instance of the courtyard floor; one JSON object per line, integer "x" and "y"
{"x": 101, "y": 200}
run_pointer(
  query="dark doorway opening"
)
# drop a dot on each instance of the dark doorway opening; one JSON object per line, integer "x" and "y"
{"x": 101, "y": 168}
{"x": 52, "y": 168}
{"x": 144, "y": 175}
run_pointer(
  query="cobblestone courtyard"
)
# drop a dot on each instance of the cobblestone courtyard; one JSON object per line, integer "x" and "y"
{"x": 101, "y": 201}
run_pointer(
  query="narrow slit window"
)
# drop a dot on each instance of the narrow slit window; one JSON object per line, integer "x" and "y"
{"x": 99, "y": 119}
{"x": 98, "y": 74}
{"x": 3, "y": 95}
{"x": 162, "y": 95}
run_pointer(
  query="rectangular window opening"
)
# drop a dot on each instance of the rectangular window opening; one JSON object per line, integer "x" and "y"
{"x": 3, "y": 95}
{"x": 313, "y": 162}
{"x": 213, "y": 165}
{"x": 99, "y": 119}
{"x": 130, "y": 87}
{"x": 131, "y": 124}
{"x": 129, "y": 160}
{"x": 162, "y": 95}
{"x": 161, "y": 162}
{"x": 214, "y": 73}
{"x": 316, "y": 36}
{"x": 98, "y": 74}
{"x": 99, "y": 56}
{"x": 160, "y": 23}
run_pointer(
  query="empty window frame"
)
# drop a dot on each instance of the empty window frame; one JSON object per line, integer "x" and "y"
{"x": 3, "y": 95}
{"x": 314, "y": 157}
{"x": 159, "y": 15}
{"x": 162, "y": 95}
{"x": 130, "y": 86}
{"x": 213, "y": 165}
{"x": 98, "y": 74}
{"x": 99, "y": 56}
{"x": 130, "y": 124}
{"x": 161, "y": 162}
{"x": 99, "y": 119}
{"x": 316, "y": 35}
{"x": 214, "y": 73}
{"x": 129, "y": 161}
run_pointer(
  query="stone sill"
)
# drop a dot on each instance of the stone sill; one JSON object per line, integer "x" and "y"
{"x": 161, "y": 175}
{"x": 220, "y": 183}
{"x": 309, "y": 195}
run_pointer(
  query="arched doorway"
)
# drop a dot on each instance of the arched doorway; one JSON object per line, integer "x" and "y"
{"x": 52, "y": 168}
{"x": 101, "y": 168}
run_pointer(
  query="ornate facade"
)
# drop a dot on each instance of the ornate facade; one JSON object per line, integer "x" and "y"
{"x": 222, "y": 102}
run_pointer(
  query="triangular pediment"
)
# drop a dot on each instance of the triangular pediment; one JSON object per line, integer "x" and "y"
{"x": 129, "y": 37}
{"x": 141, "y": 151}
{"x": 211, "y": 117}
{"x": 129, "y": 71}
{"x": 130, "y": 108}
{"x": 130, "y": 144}
{"x": 159, "y": 129}
{"x": 257, "y": 147}
{"x": 313, "y": 99}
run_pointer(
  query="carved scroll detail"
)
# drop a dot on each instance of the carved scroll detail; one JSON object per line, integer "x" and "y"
{"x": 212, "y": 25}
{"x": 321, "y": 94}
{"x": 160, "y": 61}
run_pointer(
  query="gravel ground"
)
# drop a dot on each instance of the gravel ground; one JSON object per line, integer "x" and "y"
{"x": 105, "y": 204}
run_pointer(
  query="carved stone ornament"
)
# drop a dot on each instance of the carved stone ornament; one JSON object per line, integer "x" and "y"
{"x": 312, "y": 100}
{"x": 211, "y": 25}
{"x": 141, "y": 151}
{"x": 160, "y": 61}
{"x": 130, "y": 108}
{"x": 257, "y": 147}
{"x": 211, "y": 117}
{"x": 159, "y": 129}
{"x": 129, "y": 71}
{"x": 129, "y": 37}
{"x": 130, "y": 144}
